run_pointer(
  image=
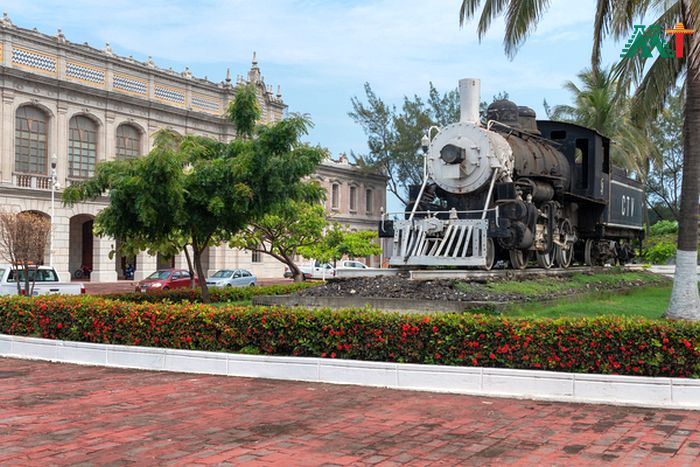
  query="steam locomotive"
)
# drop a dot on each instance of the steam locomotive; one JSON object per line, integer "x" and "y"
{"x": 515, "y": 189}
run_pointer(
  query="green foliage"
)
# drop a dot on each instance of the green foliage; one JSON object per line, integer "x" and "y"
{"x": 663, "y": 183}
{"x": 660, "y": 252}
{"x": 338, "y": 242}
{"x": 664, "y": 227}
{"x": 198, "y": 190}
{"x": 218, "y": 295}
{"x": 610, "y": 345}
{"x": 281, "y": 233}
{"x": 244, "y": 111}
{"x": 602, "y": 104}
{"x": 394, "y": 134}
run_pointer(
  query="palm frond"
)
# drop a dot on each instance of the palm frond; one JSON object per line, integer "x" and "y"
{"x": 521, "y": 19}
{"x": 467, "y": 10}
{"x": 650, "y": 95}
{"x": 601, "y": 26}
{"x": 492, "y": 8}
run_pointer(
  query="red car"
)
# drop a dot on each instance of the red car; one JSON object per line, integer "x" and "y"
{"x": 166, "y": 279}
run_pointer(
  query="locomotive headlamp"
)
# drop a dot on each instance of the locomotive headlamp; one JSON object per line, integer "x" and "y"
{"x": 452, "y": 154}
{"x": 425, "y": 143}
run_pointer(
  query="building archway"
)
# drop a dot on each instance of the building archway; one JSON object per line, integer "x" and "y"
{"x": 81, "y": 244}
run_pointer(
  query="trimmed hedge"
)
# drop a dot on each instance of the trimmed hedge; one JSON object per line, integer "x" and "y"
{"x": 218, "y": 294}
{"x": 604, "y": 345}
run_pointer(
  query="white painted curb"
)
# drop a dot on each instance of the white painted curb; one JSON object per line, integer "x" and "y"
{"x": 529, "y": 384}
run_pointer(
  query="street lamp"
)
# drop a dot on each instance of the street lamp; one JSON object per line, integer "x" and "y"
{"x": 54, "y": 181}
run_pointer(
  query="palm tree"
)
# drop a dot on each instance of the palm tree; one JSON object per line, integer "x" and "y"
{"x": 616, "y": 18}
{"x": 601, "y": 104}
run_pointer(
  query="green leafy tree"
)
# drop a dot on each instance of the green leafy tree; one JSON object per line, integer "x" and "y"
{"x": 337, "y": 242}
{"x": 602, "y": 104}
{"x": 393, "y": 135}
{"x": 202, "y": 190}
{"x": 663, "y": 183}
{"x": 655, "y": 77}
{"x": 283, "y": 232}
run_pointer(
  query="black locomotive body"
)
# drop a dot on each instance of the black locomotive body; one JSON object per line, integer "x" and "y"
{"x": 553, "y": 194}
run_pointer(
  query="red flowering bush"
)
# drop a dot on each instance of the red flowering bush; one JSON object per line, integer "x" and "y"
{"x": 603, "y": 345}
{"x": 228, "y": 294}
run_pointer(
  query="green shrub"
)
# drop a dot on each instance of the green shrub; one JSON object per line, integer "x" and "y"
{"x": 611, "y": 345}
{"x": 664, "y": 227}
{"x": 660, "y": 252}
{"x": 218, "y": 294}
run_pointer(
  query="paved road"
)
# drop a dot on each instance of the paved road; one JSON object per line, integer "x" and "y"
{"x": 58, "y": 414}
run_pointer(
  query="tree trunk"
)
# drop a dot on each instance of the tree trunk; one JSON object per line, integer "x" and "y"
{"x": 206, "y": 298}
{"x": 685, "y": 303}
{"x": 189, "y": 266}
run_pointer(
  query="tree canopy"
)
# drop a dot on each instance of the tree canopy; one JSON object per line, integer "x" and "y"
{"x": 199, "y": 189}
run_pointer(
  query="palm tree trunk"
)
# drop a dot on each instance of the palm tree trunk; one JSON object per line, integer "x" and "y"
{"x": 685, "y": 303}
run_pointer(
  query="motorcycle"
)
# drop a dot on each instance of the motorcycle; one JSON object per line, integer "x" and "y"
{"x": 82, "y": 271}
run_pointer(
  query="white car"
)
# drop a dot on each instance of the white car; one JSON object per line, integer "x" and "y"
{"x": 350, "y": 264}
{"x": 47, "y": 282}
{"x": 232, "y": 278}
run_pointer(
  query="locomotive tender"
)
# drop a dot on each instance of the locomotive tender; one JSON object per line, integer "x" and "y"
{"x": 515, "y": 188}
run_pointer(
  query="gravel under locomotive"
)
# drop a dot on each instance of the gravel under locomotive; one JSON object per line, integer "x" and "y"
{"x": 516, "y": 189}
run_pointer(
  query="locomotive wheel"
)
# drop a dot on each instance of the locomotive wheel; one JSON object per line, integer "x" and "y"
{"x": 591, "y": 255}
{"x": 564, "y": 255}
{"x": 490, "y": 254}
{"x": 518, "y": 258}
{"x": 545, "y": 260}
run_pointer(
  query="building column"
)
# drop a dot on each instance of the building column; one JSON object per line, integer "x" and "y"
{"x": 61, "y": 144}
{"x": 102, "y": 266}
{"x": 145, "y": 265}
{"x": 61, "y": 257}
{"x": 7, "y": 161}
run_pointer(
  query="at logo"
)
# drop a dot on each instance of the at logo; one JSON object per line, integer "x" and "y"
{"x": 645, "y": 40}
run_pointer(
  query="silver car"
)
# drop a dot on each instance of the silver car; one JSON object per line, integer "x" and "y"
{"x": 232, "y": 278}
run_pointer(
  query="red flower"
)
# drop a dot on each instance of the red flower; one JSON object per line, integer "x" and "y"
{"x": 492, "y": 356}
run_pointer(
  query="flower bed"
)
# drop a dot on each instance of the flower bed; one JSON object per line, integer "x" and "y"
{"x": 218, "y": 294}
{"x": 605, "y": 345}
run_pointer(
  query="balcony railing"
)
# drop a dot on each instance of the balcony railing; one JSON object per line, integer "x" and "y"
{"x": 37, "y": 182}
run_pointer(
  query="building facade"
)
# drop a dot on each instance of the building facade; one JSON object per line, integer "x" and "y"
{"x": 73, "y": 106}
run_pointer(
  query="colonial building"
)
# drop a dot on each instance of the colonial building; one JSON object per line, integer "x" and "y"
{"x": 71, "y": 106}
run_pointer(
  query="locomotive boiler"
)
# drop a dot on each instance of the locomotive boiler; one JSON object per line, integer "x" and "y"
{"x": 514, "y": 188}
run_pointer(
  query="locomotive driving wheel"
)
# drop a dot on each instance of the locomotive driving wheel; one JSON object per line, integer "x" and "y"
{"x": 591, "y": 253}
{"x": 564, "y": 253}
{"x": 545, "y": 260}
{"x": 519, "y": 258}
{"x": 490, "y": 254}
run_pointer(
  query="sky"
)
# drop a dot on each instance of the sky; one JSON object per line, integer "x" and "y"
{"x": 322, "y": 52}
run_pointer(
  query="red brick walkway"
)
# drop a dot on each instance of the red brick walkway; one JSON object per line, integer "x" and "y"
{"x": 65, "y": 414}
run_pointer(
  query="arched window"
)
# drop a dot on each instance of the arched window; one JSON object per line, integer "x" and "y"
{"x": 31, "y": 145}
{"x": 128, "y": 142}
{"x": 82, "y": 147}
{"x": 335, "y": 196}
{"x": 369, "y": 201}
{"x": 353, "y": 198}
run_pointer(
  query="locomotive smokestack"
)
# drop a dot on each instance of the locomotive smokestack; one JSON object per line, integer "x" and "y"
{"x": 469, "y": 99}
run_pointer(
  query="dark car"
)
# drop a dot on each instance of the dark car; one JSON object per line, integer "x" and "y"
{"x": 166, "y": 279}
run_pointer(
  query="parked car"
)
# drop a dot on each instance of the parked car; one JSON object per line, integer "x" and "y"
{"x": 351, "y": 264}
{"x": 47, "y": 281}
{"x": 314, "y": 270}
{"x": 166, "y": 279}
{"x": 232, "y": 278}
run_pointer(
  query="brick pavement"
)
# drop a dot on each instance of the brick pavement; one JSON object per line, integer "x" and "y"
{"x": 58, "y": 414}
